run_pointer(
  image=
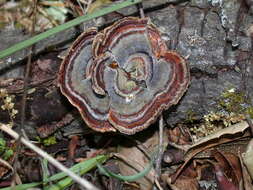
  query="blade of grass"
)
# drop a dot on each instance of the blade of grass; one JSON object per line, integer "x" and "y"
{"x": 74, "y": 22}
{"x": 45, "y": 171}
{"x": 62, "y": 184}
{"x": 22, "y": 186}
{"x": 139, "y": 175}
{"x": 130, "y": 178}
{"x": 80, "y": 168}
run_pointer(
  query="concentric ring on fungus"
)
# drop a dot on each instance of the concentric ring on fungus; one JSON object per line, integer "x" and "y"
{"x": 123, "y": 77}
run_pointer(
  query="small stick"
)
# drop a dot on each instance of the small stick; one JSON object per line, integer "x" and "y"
{"x": 80, "y": 5}
{"x": 83, "y": 182}
{"x": 27, "y": 72}
{"x": 25, "y": 87}
{"x": 161, "y": 149}
{"x": 140, "y": 7}
{"x": 5, "y": 163}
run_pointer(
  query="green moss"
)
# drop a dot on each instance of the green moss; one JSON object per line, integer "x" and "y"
{"x": 191, "y": 116}
{"x": 233, "y": 101}
{"x": 232, "y": 107}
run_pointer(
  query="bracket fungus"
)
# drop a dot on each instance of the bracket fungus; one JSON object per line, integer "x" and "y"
{"x": 122, "y": 78}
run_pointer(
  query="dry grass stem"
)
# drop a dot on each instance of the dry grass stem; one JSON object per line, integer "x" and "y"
{"x": 83, "y": 182}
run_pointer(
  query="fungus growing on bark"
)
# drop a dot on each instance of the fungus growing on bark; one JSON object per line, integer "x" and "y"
{"x": 123, "y": 77}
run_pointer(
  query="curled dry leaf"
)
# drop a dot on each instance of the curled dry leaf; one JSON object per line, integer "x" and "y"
{"x": 228, "y": 170}
{"x": 232, "y": 130}
{"x": 247, "y": 158}
{"x": 123, "y": 77}
{"x": 225, "y": 135}
{"x": 223, "y": 182}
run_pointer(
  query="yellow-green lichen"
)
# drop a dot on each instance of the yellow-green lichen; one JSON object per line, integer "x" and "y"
{"x": 232, "y": 100}
{"x": 214, "y": 121}
{"x": 191, "y": 116}
{"x": 232, "y": 107}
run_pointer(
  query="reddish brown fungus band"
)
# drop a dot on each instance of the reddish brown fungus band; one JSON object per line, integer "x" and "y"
{"x": 122, "y": 78}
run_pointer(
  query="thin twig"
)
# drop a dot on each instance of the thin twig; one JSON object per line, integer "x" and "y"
{"x": 158, "y": 161}
{"x": 158, "y": 185}
{"x": 3, "y": 162}
{"x": 27, "y": 71}
{"x": 161, "y": 149}
{"x": 140, "y": 7}
{"x": 83, "y": 182}
{"x": 88, "y": 6}
{"x": 23, "y": 103}
{"x": 80, "y": 5}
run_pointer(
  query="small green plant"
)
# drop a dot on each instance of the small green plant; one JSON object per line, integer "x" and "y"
{"x": 47, "y": 141}
{"x": 5, "y": 151}
{"x": 61, "y": 181}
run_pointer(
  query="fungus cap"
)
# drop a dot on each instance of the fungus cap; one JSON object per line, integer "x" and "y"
{"x": 123, "y": 77}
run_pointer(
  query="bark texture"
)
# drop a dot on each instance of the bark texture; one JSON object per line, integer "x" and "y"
{"x": 214, "y": 35}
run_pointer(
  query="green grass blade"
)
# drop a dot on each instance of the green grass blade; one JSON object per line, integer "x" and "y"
{"x": 80, "y": 168}
{"x": 74, "y": 22}
{"x": 135, "y": 177}
{"x": 22, "y": 186}
{"x": 126, "y": 178}
{"x": 45, "y": 171}
{"x": 60, "y": 185}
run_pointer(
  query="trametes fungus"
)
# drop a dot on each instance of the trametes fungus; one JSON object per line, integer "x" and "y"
{"x": 122, "y": 78}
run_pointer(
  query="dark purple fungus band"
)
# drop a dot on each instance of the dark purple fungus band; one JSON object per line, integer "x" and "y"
{"x": 123, "y": 77}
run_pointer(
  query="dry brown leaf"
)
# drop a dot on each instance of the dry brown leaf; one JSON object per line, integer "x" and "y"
{"x": 247, "y": 181}
{"x": 187, "y": 181}
{"x": 213, "y": 140}
{"x": 224, "y": 183}
{"x": 230, "y": 165}
{"x": 231, "y": 130}
{"x": 179, "y": 135}
{"x": 137, "y": 160}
